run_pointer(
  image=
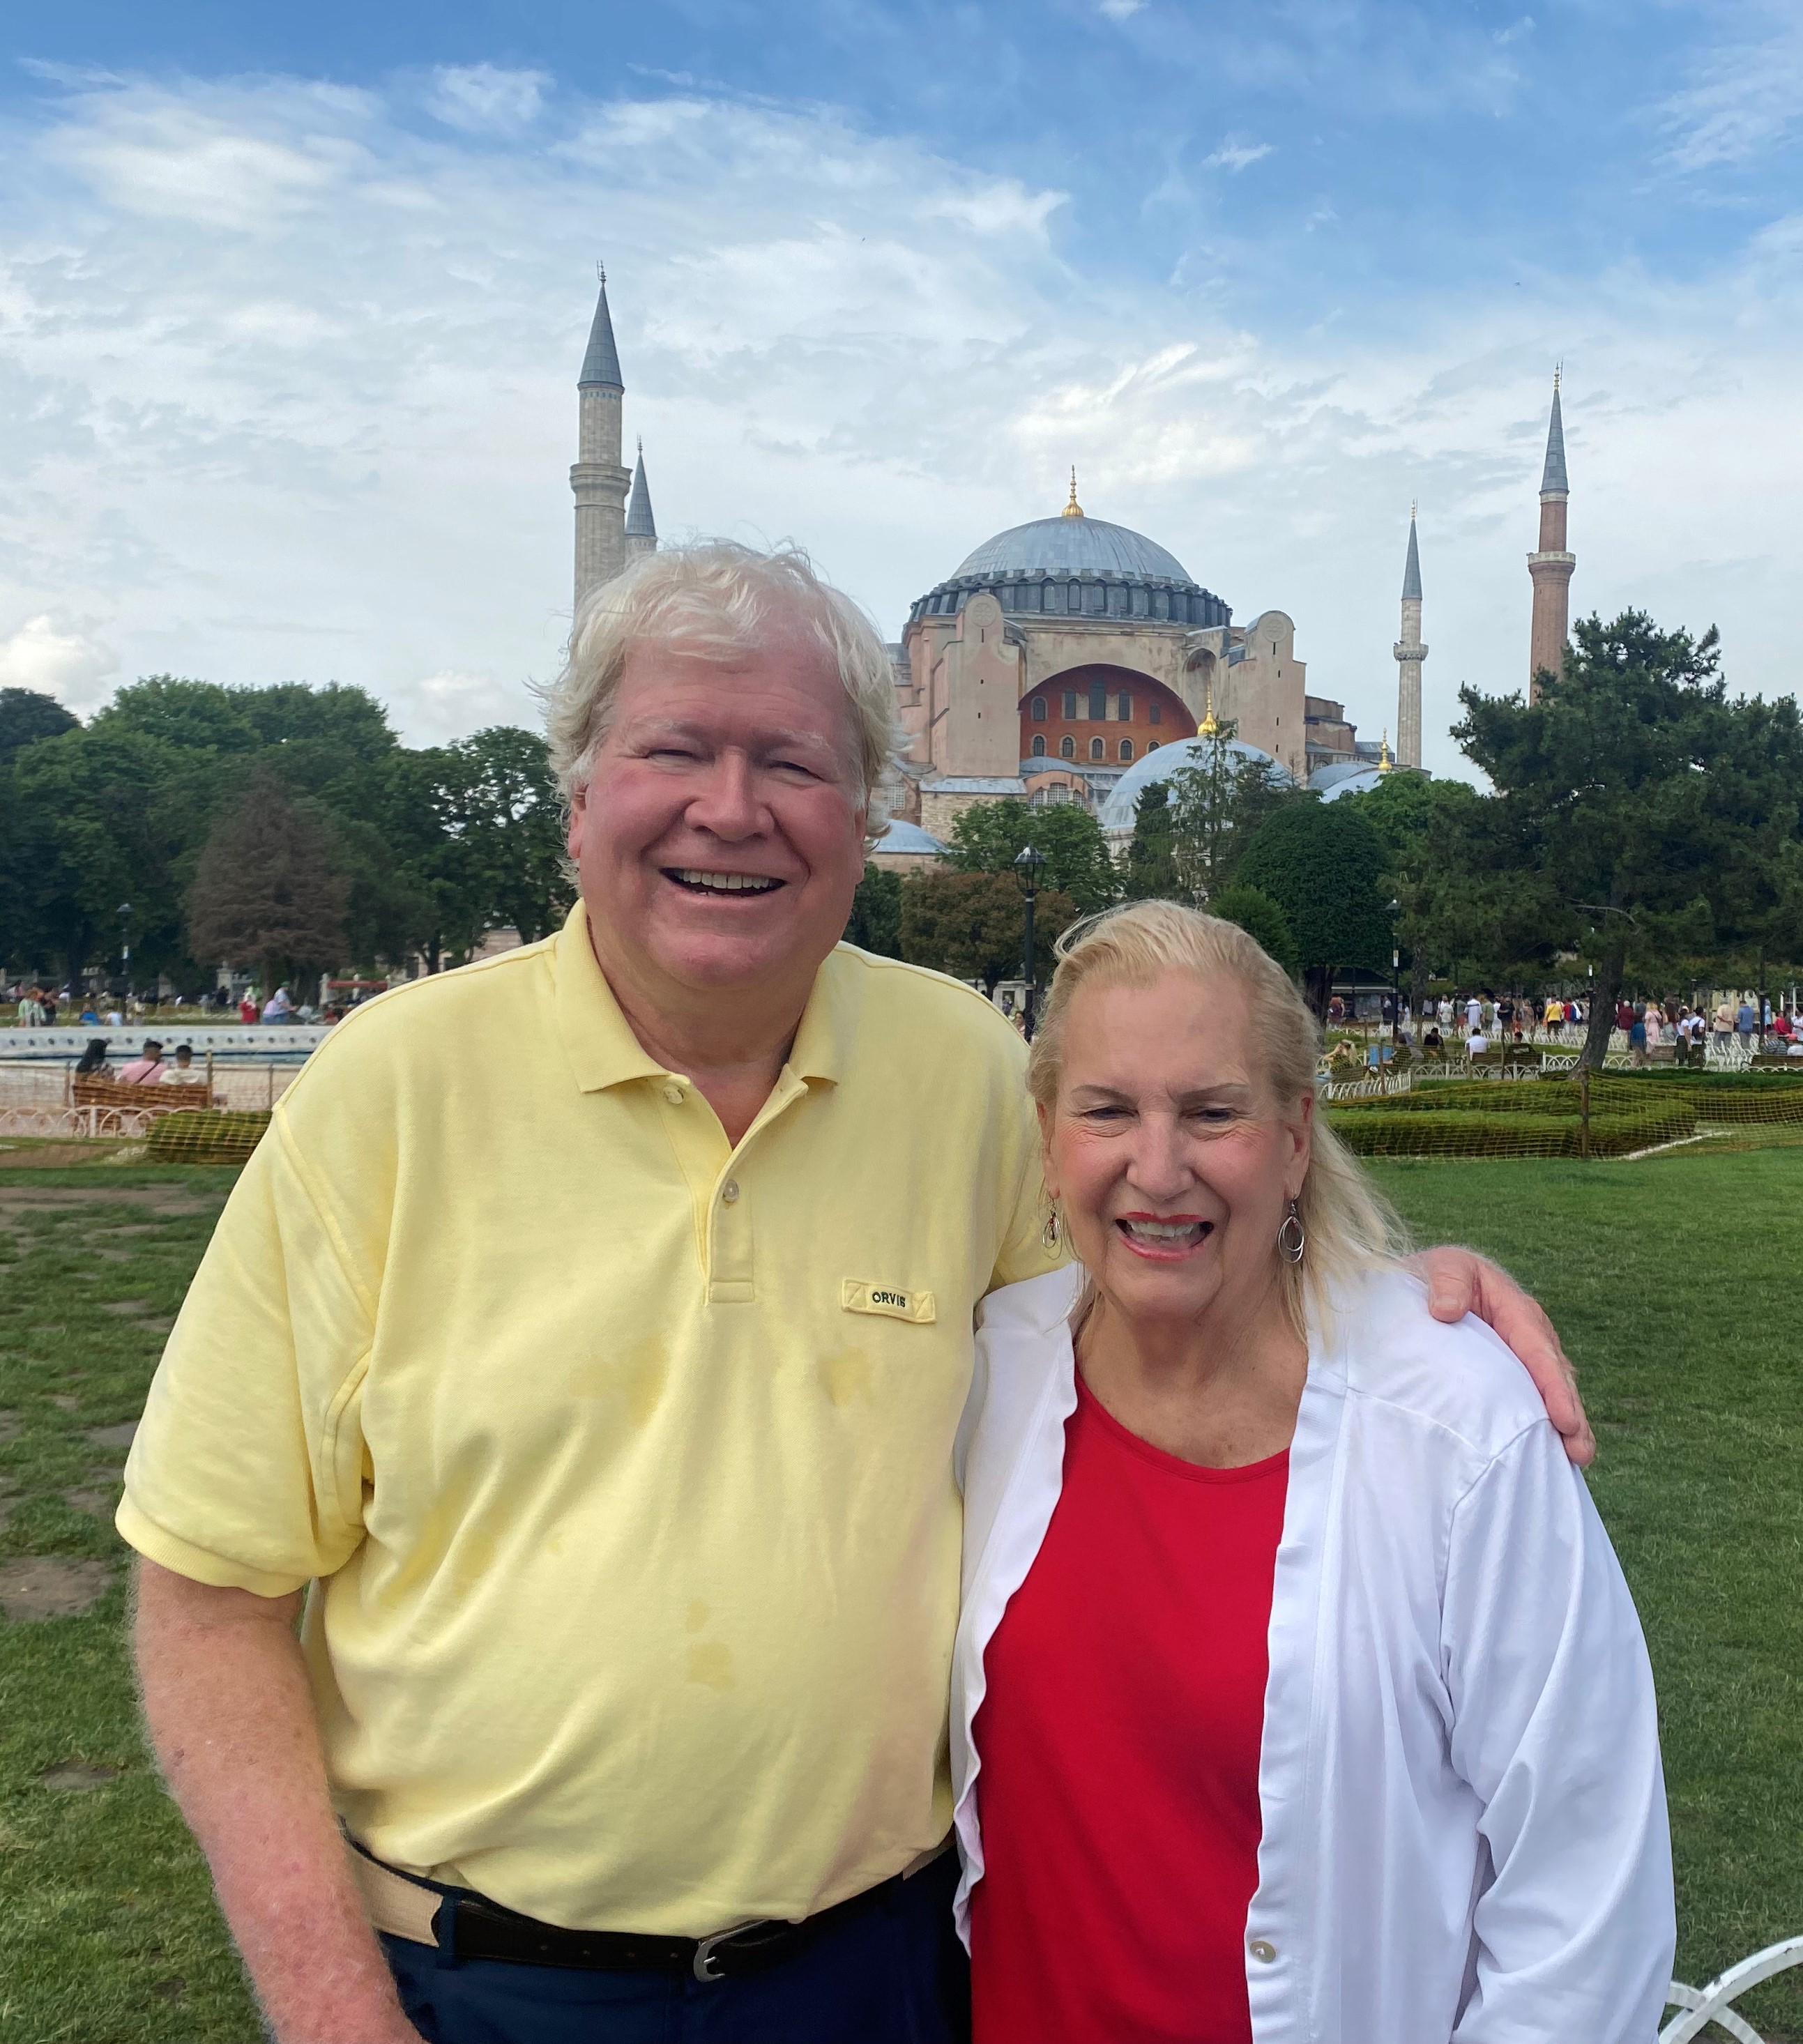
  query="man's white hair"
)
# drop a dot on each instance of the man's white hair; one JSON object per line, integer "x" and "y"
{"x": 719, "y": 600}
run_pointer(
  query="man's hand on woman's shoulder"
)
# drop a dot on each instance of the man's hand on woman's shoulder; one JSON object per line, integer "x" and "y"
{"x": 1460, "y": 1281}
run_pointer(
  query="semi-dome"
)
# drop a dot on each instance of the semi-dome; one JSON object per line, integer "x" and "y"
{"x": 1072, "y": 546}
{"x": 1117, "y": 811}
{"x": 1360, "y": 782}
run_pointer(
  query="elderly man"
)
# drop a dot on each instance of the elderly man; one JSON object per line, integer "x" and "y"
{"x": 603, "y": 1386}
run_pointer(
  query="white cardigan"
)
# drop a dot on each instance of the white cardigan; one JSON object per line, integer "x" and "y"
{"x": 1465, "y": 1833}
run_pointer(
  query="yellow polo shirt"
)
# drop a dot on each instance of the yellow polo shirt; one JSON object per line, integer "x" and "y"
{"x": 622, "y": 1458}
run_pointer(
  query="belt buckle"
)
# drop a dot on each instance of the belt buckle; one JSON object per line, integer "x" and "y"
{"x": 705, "y": 1968}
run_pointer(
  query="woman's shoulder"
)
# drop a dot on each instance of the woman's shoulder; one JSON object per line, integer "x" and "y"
{"x": 1425, "y": 1375}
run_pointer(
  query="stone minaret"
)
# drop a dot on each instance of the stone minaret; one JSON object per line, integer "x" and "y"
{"x": 641, "y": 526}
{"x": 1409, "y": 654}
{"x": 1551, "y": 566}
{"x": 598, "y": 480}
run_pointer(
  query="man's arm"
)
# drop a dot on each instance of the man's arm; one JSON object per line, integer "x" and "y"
{"x": 1460, "y": 1281}
{"x": 230, "y": 1711}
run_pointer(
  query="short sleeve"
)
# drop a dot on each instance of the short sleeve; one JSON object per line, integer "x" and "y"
{"x": 1023, "y": 1251}
{"x": 246, "y": 1470}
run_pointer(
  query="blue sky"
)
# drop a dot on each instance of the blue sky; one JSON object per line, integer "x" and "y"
{"x": 291, "y": 302}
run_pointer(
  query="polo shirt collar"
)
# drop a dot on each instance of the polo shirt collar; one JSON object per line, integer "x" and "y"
{"x": 603, "y": 1051}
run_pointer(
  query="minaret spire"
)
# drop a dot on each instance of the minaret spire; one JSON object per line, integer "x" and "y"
{"x": 641, "y": 526}
{"x": 599, "y": 480}
{"x": 1409, "y": 654}
{"x": 1552, "y": 565}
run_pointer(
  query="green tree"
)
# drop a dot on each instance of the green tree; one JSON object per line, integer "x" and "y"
{"x": 1218, "y": 803}
{"x": 1323, "y": 865}
{"x": 875, "y": 921}
{"x": 25, "y": 717}
{"x": 1649, "y": 816}
{"x": 194, "y": 715}
{"x": 973, "y": 925}
{"x": 1151, "y": 866}
{"x": 264, "y": 892}
{"x": 988, "y": 836}
{"x": 1259, "y": 916}
{"x": 1453, "y": 915}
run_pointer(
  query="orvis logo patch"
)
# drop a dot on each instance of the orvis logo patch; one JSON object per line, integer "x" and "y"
{"x": 858, "y": 1296}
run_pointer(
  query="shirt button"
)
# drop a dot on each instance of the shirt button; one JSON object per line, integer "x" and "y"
{"x": 673, "y": 1094}
{"x": 1262, "y": 1950}
{"x": 729, "y": 1192}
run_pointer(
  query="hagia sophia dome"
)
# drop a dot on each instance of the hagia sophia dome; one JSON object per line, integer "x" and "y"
{"x": 1074, "y": 564}
{"x": 1071, "y": 546}
{"x": 1118, "y": 807}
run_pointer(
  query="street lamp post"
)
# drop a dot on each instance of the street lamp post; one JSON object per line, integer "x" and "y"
{"x": 1028, "y": 865}
{"x": 1395, "y": 977}
{"x": 125, "y": 948}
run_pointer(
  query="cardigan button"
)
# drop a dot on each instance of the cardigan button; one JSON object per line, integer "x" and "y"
{"x": 1262, "y": 1949}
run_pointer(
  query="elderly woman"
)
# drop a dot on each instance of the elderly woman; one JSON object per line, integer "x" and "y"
{"x": 1294, "y": 1698}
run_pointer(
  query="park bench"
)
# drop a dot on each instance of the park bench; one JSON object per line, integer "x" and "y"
{"x": 1702, "y": 2007}
{"x": 154, "y": 1099}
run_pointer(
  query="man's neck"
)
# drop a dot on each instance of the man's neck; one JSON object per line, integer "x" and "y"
{"x": 733, "y": 1047}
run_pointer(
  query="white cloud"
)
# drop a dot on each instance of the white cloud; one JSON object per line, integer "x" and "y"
{"x": 482, "y": 99}
{"x": 1121, "y": 10}
{"x": 52, "y": 661}
{"x": 318, "y": 426}
{"x": 1235, "y": 154}
{"x": 1748, "y": 99}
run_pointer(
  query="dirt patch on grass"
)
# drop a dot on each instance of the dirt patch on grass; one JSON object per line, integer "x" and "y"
{"x": 10, "y": 1425}
{"x": 119, "y": 1436}
{"x": 173, "y": 1201}
{"x": 136, "y": 1308}
{"x": 39, "y": 1586}
{"x": 98, "y": 1504}
{"x": 78, "y": 1774}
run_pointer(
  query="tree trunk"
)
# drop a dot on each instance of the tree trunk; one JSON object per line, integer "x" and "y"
{"x": 1603, "y": 998}
{"x": 1317, "y": 986}
{"x": 1418, "y": 989}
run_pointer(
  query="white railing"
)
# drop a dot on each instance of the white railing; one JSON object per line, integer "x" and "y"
{"x": 1703, "y": 2006}
{"x": 126, "y": 1123}
{"x": 1374, "y": 1086}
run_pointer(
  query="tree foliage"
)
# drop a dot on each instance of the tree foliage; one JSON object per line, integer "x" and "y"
{"x": 1259, "y": 916}
{"x": 1323, "y": 865}
{"x": 989, "y": 836}
{"x": 1641, "y": 817}
{"x": 1218, "y": 803}
{"x": 433, "y": 847}
{"x": 875, "y": 921}
{"x": 973, "y": 925}
{"x": 264, "y": 889}
{"x": 1151, "y": 862}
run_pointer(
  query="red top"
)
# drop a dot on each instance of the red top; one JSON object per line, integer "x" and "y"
{"x": 1119, "y": 1737}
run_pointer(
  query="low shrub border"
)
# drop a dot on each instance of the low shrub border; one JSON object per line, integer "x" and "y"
{"x": 207, "y": 1135}
{"x": 1387, "y": 1128}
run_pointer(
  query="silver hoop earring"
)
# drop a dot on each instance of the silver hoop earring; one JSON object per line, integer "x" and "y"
{"x": 1053, "y": 1230}
{"x": 1292, "y": 1237}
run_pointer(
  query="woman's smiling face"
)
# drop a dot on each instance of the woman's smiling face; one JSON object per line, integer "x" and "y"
{"x": 1173, "y": 1165}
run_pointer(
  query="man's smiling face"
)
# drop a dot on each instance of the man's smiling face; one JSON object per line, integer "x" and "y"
{"x": 720, "y": 839}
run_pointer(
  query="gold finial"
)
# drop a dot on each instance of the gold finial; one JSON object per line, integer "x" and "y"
{"x": 1558, "y": 371}
{"x": 601, "y": 273}
{"x": 1413, "y": 506}
{"x": 1208, "y": 727}
{"x": 1073, "y": 509}
{"x": 1385, "y": 762}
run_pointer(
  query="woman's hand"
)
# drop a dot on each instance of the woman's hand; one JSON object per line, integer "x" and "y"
{"x": 1460, "y": 1281}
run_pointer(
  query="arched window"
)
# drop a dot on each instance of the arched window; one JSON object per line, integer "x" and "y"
{"x": 1125, "y": 707}
{"x": 1126, "y": 748}
{"x": 1153, "y": 746}
{"x": 1155, "y": 711}
{"x": 1039, "y": 745}
{"x": 1067, "y": 746}
{"x": 1098, "y": 702}
{"x": 1070, "y": 705}
{"x": 1039, "y": 709}
{"x": 1096, "y": 748}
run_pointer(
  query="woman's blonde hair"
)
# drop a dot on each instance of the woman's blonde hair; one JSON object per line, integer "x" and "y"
{"x": 1350, "y": 1226}
{"x": 718, "y": 600}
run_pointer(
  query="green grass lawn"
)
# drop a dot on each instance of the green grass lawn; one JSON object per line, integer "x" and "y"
{"x": 1675, "y": 1280}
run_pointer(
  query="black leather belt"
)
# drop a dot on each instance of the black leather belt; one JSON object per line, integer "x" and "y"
{"x": 472, "y": 1927}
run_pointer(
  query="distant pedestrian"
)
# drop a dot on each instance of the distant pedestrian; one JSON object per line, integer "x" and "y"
{"x": 247, "y": 1009}
{"x": 147, "y": 1070}
{"x": 92, "y": 1063}
{"x": 1636, "y": 1039}
{"x": 278, "y": 1007}
{"x": 1746, "y": 1023}
{"x": 1474, "y": 1014}
{"x": 184, "y": 1071}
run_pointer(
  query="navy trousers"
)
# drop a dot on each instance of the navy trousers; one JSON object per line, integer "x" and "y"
{"x": 893, "y": 1974}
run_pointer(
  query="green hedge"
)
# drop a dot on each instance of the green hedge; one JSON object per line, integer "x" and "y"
{"x": 206, "y": 1135}
{"x": 1394, "y": 1130}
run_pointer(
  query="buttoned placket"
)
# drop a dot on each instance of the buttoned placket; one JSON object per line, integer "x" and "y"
{"x": 719, "y": 1186}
